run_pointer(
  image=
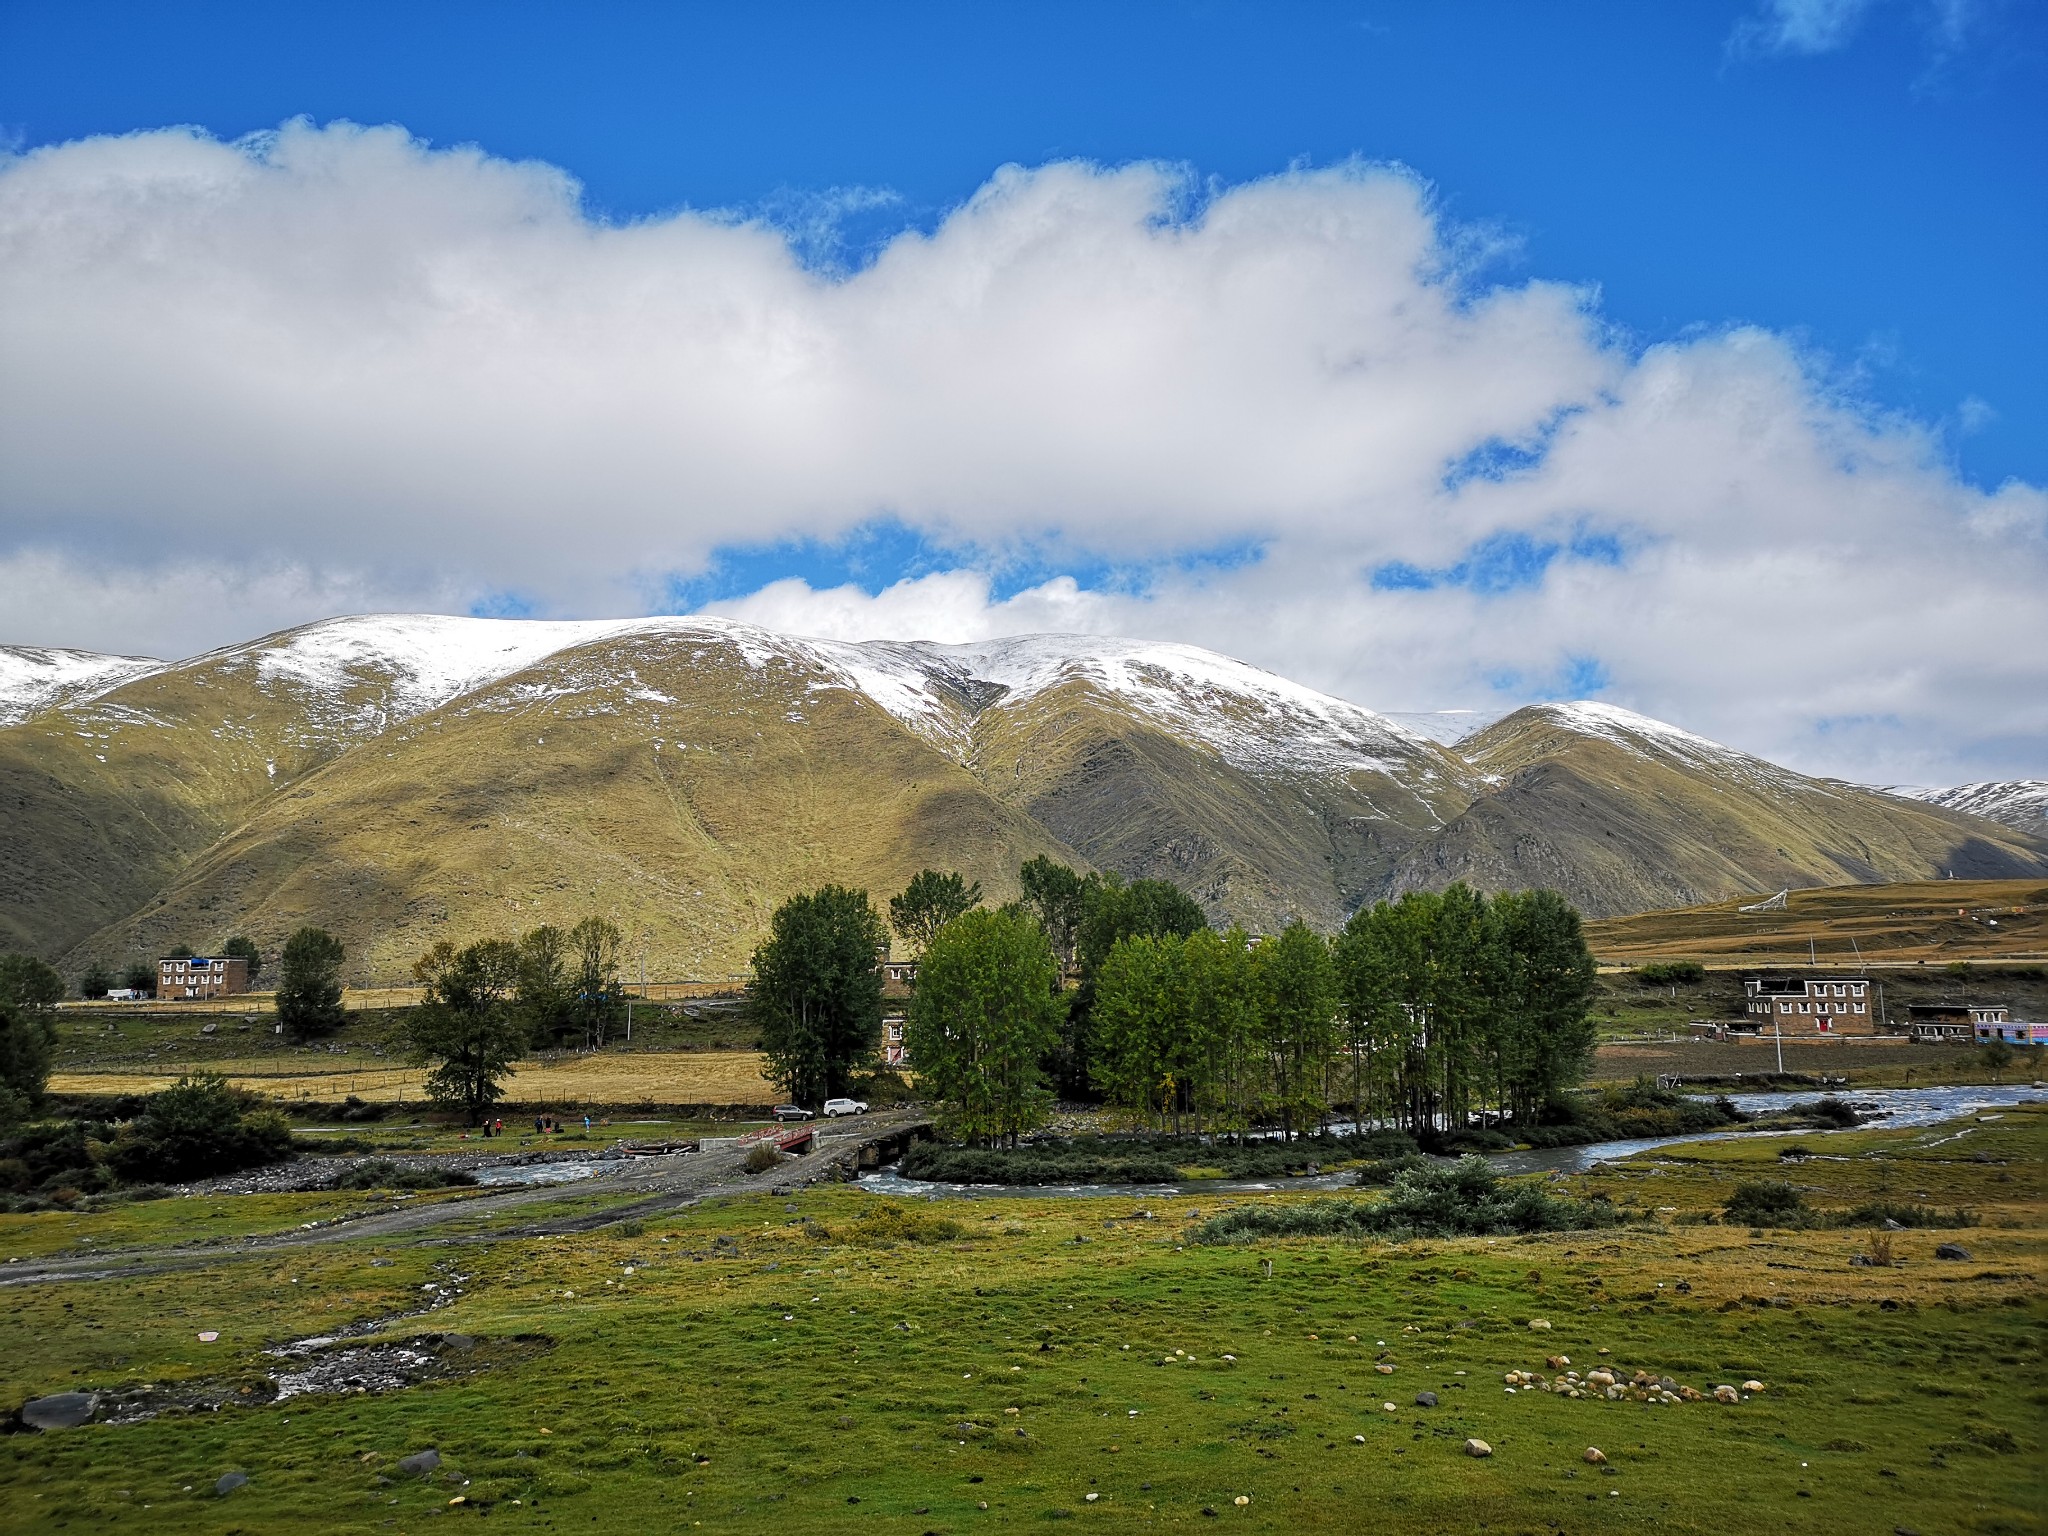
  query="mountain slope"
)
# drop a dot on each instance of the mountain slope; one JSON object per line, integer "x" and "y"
{"x": 2020, "y": 803}
{"x": 36, "y": 677}
{"x": 402, "y": 778}
{"x": 114, "y": 789}
{"x": 678, "y": 777}
{"x": 1623, "y": 813}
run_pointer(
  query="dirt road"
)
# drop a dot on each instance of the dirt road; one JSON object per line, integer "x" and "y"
{"x": 622, "y": 1190}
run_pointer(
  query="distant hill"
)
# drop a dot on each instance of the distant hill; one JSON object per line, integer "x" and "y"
{"x": 2021, "y": 803}
{"x": 1927, "y": 922}
{"x": 404, "y": 778}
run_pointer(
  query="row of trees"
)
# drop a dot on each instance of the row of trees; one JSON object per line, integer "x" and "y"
{"x": 486, "y": 1004}
{"x": 1421, "y": 1013}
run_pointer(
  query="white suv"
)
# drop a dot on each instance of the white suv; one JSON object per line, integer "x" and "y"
{"x": 834, "y": 1108}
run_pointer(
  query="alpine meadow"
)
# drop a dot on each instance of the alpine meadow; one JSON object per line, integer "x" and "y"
{"x": 911, "y": 770}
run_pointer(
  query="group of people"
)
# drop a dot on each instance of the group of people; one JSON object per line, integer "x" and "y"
{"x": 543, "y": 1125}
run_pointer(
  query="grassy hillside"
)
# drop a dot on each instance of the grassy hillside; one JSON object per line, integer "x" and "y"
{"x": 1256, "y": 848}
{"x": 677, "y": 786}
{"x": 1923, "y": 922}
{"x": 109, "y": 801}
{"x": 1622, "y": 822}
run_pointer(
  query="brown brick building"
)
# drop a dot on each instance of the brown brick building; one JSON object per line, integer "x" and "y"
{"x": 199, "y": 977}
{"x": 1812, "y": 1005}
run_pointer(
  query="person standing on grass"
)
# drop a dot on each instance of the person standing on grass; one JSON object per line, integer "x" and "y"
{"x": 586, "y": 1125}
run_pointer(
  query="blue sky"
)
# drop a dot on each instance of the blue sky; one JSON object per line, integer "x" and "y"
{"x": 1436, "y": 355}
{"x": 1885, "y": 199}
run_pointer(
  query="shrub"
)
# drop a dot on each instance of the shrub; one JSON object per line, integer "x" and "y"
{"x": 1765, "y": 1203}
{"x": 1877, "y": 1213}
{"x": 1463, "y": 1199}
{"x": 890, "y": 1221}
{"x": 1672, "y": 973}
{"x": 198, "y": 1127}
{"x": 761, "y": 1157}
{"x": 381, "y": 1173}
{"x": 1141, "y": 1159}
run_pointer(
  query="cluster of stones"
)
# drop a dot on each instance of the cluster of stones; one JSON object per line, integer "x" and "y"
{"x": 1613, "y": 1386}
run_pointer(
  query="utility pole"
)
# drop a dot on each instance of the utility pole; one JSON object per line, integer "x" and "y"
{"x": 1780, "y": 1036}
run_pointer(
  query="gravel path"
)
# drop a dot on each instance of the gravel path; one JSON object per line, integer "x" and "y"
{"x": 660, "y": 1184}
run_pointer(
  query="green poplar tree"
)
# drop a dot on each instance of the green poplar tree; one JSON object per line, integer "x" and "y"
{"x": 981, "y": 1021}
{"x": 817, "y": 991}
{"x": 467, "y": 1028}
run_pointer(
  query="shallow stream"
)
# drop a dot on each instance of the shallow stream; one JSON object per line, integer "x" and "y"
{"x": 1883, "y": 1106}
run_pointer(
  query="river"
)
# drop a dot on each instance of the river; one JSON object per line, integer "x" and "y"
{"x": 1880, "y": 1106}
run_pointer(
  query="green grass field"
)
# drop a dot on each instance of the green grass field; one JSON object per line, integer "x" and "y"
{"x": 784, "y": 1364}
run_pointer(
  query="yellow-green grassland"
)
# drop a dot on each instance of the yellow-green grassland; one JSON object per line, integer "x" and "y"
{"x": 830, "y": 1359}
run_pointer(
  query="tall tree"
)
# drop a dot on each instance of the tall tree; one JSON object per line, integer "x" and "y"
{"x": 594, "y": 946}
{"x": 30, "y": 983}
{"x": 309, "y": 984}
{"x": 981, "y": 1021}
{"x": 1297, "y": 1021}
{"x": 928, "y": 903}
{"x": 1054, "y": 893}
{"x": 97, "y": 981}
{"x": 545, "y": 993}
{"x": 1112, "y": 910}
{"x": 29, "y": 993}
{"x": 244, "y": 948}
{"x": 1228, "y": 1068}
{"x": 1142, "y": 1032}
{"x": 467, "y": 1028}
{"x": 817, "y": 991}
{"x": 1547, "y": 985}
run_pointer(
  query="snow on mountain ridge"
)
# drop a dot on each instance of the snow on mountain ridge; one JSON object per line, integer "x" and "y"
{"x": 34, "y": 677}
{"x": 2021, "y": 803}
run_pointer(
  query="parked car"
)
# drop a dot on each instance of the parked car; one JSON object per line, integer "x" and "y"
{"x": 791, "y": 1112}
{"x": 834, "y": 1108}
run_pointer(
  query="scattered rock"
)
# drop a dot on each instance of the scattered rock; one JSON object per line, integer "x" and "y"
{"x": 61, "y": 1410}
{"x": 420, "y": 1462}
{"x": 1538, "y": 1325}
{"x": 1384, "y": 1369}
{"x": 1358, "y": 1439}
{"x": 1951, "y": 1251}
{"x": 1752, "y": 1386}
{"x": 1600, "y": 1378}
{"x": 228, "y": 1482}
{"x": 1241, "y": 1500}
{"x": 1725, "y": 1394}
{"x": 1478, "y": 1448}
{"x": 1425, "y": 1399}
{"x": 1557, "y": 1362}
{"x": 1595, "y": 1457}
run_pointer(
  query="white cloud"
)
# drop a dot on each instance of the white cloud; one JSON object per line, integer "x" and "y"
{"x": 374, "y": 375}
{"x": 1801, "y": 26}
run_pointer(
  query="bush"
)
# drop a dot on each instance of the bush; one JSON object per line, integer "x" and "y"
{"x": 381, "y": 1173}
{"x": 1765, "y": 1203}
{"x": 199, "y": 1127}
{"x": 1141, "y": 1159}
{"x": 41, "y": 1159}
{"x": 890, "y": 1221}
{"x": 1462, "y": 1199}
{"x": 1877, "y": 1213}
{"x": 1672, "y": 973}
{"x": 761, "y": 1157}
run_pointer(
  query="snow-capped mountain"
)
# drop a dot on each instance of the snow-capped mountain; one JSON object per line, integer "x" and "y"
{"x": 35, "y": 677}
{"x": 401, "y": 778}
{"x": 2021, "y": 803}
